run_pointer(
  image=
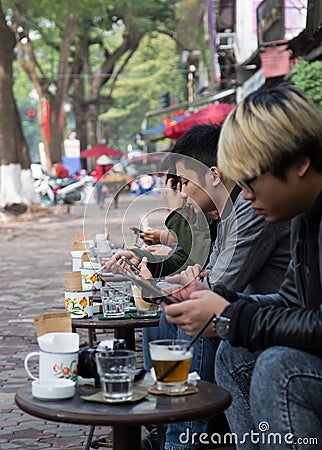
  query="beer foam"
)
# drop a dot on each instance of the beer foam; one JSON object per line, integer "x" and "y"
{"x": 165, "y": 354}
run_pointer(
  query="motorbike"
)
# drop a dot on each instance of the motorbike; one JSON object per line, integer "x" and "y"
{"x": 68, "y": 191}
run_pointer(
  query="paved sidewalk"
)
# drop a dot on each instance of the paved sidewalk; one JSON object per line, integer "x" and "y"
{"x": 35, "y": 253}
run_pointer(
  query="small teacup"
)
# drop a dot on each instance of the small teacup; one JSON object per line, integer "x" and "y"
{"x": 76, "y": 259}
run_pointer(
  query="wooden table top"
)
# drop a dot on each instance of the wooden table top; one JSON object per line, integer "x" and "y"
{"x": 95, "y": 323}
{"x": 209, "y": 400}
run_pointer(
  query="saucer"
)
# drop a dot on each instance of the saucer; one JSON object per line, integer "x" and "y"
{"x": 138, "y": 394}
{"x": 53, "y": 389}
{"x": 189, "y": 390}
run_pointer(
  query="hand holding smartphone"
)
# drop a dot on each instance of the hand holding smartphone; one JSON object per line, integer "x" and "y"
{"x": 132, "y": 266}
{"x": 136, "y": 230}
{"x": 149, "y": 289}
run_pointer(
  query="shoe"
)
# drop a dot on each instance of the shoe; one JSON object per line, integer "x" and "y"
{"x": 155, "y": 439}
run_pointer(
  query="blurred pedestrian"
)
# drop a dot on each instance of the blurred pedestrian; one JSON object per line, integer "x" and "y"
{"x": 146, "y": 182}
{"x": 103, "y": 166}
{"x": 59, "y": 170}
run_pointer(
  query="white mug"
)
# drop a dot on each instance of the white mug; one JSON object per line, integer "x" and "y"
{"x": 79, "y": 303}
{"x": 54, "y": 365}
{"x": 90, "y": 279}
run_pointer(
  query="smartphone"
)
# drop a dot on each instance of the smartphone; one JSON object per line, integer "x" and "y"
{"x": 133, "y": 266}
{"x": 136, "y": 230}
{"x": 174, "y": 181}
{"x": 149, "y": 289}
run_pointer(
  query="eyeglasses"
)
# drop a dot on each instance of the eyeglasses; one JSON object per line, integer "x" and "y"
{"x": 246, "y": 184}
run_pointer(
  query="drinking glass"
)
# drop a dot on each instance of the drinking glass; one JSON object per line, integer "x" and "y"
{"x": 125, "y": 289}
{"x": 143, "y": 308}
{"x": 112, "y": 302}
{"x": 171, "y": 359}
{"x": 116, "y": 370}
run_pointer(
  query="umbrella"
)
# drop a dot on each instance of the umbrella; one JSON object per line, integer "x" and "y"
{"x": 99, "y": 150}
{"x": 212, "y": 114}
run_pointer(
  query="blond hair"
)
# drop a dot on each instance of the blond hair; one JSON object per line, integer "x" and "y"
{"x": 268, "y": 130}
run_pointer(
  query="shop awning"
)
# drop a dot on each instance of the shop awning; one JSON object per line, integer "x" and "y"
{"x": 215, "y": 113}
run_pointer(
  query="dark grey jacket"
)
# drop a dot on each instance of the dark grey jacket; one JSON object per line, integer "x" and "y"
{"x": 249, "y": 255}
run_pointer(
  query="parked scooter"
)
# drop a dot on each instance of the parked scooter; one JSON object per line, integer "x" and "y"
{"x": 67, "y": 191}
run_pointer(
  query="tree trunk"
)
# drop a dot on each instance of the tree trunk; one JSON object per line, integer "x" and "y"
{"x": 15, "y": 185}
{"x": 78, "y": 98}
{"x": 92, "y": 117}
{"x": 56, "y": 118}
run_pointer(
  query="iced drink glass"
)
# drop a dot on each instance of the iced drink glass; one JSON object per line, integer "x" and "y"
{"x": 171, "y": 360}
{"x": 143, "y": 308}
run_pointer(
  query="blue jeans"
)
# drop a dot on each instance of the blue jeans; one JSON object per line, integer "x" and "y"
{"x": 202, "y": 362}
{"x": 100, "y": 193}
{"x": 276, "y": 397}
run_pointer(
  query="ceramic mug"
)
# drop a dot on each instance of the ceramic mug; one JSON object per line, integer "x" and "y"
{"x": 54, "y": 365}
{"x": 91, "y": 279}
{"x": 79, "y": 303}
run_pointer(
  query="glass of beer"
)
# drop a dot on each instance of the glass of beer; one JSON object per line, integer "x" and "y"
{"x": 171, "y": 359}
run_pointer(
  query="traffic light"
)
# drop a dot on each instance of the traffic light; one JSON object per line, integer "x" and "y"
{"x": 165, "y": 100}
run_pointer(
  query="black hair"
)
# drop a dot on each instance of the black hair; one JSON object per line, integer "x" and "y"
{"x": 198, "y": 143}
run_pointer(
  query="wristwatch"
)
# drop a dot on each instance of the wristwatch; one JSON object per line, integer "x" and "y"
{"x": 221, "y": 326}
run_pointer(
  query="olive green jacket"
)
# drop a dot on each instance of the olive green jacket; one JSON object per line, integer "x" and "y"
{"x": 195, "y": 241}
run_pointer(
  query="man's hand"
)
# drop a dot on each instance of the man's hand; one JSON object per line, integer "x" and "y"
{"x": 159, "y": 249}
{"x": 195, "y": 271}
{"x": 188, "y": 286}
{"x": 116, "y": 265}
{"x": 191, "y": 314}
{"x": 144, "y": 271}
{"x": 151, "y": 236}
{"x": 173, "y": 198}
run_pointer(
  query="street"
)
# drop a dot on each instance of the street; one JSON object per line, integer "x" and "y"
{"x": 35, "y": 253}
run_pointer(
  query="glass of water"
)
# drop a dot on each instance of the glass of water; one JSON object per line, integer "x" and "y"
{"x": 116, "y": 370}
{"x": 123, "y": 288}
{"x": 112, "y": 302}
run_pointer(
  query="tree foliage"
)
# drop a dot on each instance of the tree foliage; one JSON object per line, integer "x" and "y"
{"x": 91, "y": 66}
{"x": 152, "y": 71}
{"x": 306, "y": 76}
{"x": 79, "y": 47}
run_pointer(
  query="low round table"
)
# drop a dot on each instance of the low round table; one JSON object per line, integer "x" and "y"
{"x": 123, "y": 328}
{"x": 126, "y": 419}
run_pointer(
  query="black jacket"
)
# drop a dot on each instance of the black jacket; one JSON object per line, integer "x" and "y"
{"x": 283, "y": 319}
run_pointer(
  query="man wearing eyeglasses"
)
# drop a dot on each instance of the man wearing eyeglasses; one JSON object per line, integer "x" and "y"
{"x": 270, "y": 359}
